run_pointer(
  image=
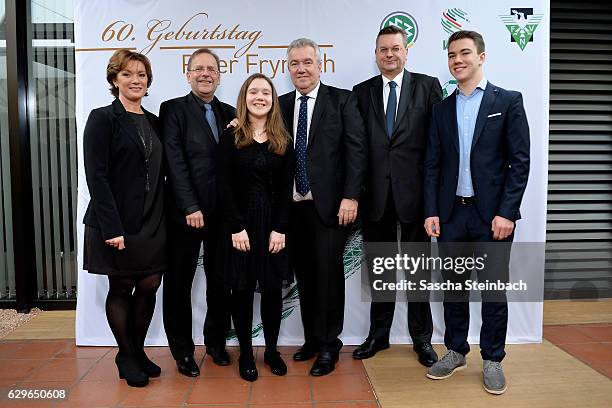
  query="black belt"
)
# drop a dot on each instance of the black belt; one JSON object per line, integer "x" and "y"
{"x": 465, "y": 200}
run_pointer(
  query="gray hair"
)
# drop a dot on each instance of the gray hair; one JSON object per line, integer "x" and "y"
{"x": 305, "y": 42}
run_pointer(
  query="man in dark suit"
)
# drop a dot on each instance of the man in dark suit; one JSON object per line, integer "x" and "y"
{"x": 476, "y": 171}
{"x": 191, "y": 126}
{"x": 396, "y": 107}
{"x": 330, "y": 155}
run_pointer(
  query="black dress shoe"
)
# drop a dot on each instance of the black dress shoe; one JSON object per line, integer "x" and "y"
{"x": 150, "y": 368}
{"x": 187, "y": 366}
{"x": 219, "y": 355}
{"x": 276, "y": 363}
{"x": 247, "y": 368}
{"x": 130, "y": 370}
{"x": 324, "y": 364}
{"x": 304, "y": 353}
{"x": 427, "y": 355}
{"x": 369, "y": 348}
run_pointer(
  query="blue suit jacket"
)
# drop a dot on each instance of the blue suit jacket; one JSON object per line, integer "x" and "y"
{"x": 499, "y": 158}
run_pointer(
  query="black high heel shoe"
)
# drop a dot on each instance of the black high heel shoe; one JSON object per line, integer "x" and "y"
{"x": 147, "y": 366}
{"x": 276, "y": 363}
{"x": 247, "y": 368}
{"x": 130, "y": 370}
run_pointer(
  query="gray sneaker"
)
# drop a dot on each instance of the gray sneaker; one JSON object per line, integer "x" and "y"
{"x": 493, "y": 375}
{"x": 447, "y": 365}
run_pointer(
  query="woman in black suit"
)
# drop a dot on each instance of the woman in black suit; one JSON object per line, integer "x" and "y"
{"x": 255, "y": 179}
{"x": 125, "y": 232}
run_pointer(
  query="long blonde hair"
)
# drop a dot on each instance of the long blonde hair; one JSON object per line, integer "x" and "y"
{"x": 275, "y": 127}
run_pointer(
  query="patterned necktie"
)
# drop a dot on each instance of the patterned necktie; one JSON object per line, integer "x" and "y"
{"x": 212, "y": 122}
{"x": 391, "y": 105}
{"x": 302, "y": 185}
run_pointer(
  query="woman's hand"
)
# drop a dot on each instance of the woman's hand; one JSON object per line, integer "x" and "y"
{"x": 116, "y": 242}
{"x": 240, "y": 241}
{"x": 277, "y": 242}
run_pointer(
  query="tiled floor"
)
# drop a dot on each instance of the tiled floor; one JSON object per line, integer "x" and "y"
{"x": 90, "y": 376}
{"x": 590, "y": 343}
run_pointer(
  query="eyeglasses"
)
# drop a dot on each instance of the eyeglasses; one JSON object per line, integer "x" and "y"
{"x": 203, "y": 70}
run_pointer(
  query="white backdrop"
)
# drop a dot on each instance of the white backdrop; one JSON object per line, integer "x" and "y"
{"x": 252, "y": 37}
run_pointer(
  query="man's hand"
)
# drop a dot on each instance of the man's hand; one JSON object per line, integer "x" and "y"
{"x": 277, "y": 242}
{"x": 117, "y": 242}
{"x": 501, "y": 227}
{"x": 348, "y": 211}
{"x": 432, "y": 226}
{"x": 240, "y": 241}
{"x": 195, "y": 219}
{"x": 233, "y": 123}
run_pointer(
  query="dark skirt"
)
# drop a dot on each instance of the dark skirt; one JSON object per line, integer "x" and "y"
{"x": 256, "y": 269}
{"x": 141, "y": 257}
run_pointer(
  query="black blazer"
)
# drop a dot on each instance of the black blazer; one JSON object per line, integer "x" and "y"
{"x": 336, "y": 150}
{"x": 115, "y": 170}
{"x": 191, "y": 155}
{"x": 237, "y": 177}
{"x": 499, "y": 159}
{"x": 397, "y": 162}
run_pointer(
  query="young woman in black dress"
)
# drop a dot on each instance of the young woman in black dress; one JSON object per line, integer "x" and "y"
{"x": 125, "y": 230}
{"x": 255, "y": 176}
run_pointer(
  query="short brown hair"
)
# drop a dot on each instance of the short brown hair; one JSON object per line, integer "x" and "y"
{"x": 203, "y": 51}
{"x": 118, "y": 61}
{"x": 391, "y": 29}
{"x": 472, "y": 35}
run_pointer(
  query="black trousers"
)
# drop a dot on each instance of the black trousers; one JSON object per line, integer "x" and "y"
{"x": 242, "y": 313}
{"x": 420, "y": 325}
{"x": 184, "y": 250}
{"x": 465, "y": 225}
{"x": 316, "y": 252}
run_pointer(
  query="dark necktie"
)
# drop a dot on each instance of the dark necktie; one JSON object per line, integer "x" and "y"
{"x": 212, "y": 122}
{"x": 391, "y": 105}
{"x": 302, "y": 185}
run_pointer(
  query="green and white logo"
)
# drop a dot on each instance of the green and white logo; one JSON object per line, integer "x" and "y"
{"x": 448, "y": 88}
{"x": 452, "y": 20}
{"x": 404, "y": 21}
{"x": 522, "y": 23}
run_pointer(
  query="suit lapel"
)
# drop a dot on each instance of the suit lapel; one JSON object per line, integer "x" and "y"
{"x": 319, "y": 110}
{"x": 452, "y": 118}
{"x": 406, "y": 95}
{"x": 488, "y": 99}
{"x": 153, "y": 121}
{"x": 198, "y": 115}
{"x": 376, "y": 94}
{"x": 126, "y": 124}
{"x": 287, "y": 104}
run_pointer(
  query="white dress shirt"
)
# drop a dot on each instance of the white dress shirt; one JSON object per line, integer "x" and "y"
{"x": 312, "y": 97}
{"x": 398, "y": 90}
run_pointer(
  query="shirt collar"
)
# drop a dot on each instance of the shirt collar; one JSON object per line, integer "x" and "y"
{"x": 481, "y": 85}
{"x": 398, "y": 80}
{"x": 201, "y": 101}
{"x": 312, "y": 94}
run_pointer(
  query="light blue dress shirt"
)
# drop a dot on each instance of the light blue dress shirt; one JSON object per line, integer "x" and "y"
{"x": 467, "y": 112}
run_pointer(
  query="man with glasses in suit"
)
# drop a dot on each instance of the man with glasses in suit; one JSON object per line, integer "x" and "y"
{"x": 191, "y": 126}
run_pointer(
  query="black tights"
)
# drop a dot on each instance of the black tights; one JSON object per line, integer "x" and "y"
{"x": 242, "y": 314}
{"x": 129, "y": 309}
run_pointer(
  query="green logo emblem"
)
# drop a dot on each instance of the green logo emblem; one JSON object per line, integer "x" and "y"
{"x": 522, "y": 23}
{"x": 452, "y": 21}
{"x": 448, "y": 88}
{"x": 404, "y": 21}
